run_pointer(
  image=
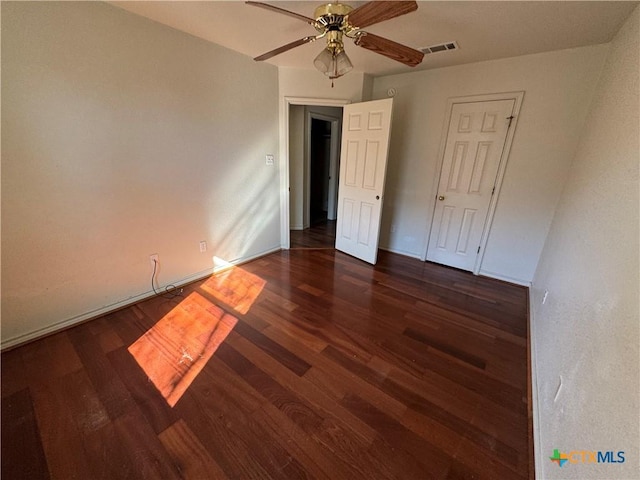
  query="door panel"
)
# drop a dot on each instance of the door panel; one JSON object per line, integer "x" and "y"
{"x": 475, "y": 142}
{"x": 365, "y": 144}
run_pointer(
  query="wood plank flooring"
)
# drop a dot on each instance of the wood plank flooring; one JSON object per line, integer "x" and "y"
{"x": 335, "y": 370}
{"x": 319, "y": 236}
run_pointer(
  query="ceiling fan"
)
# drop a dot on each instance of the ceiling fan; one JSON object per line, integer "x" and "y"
{"x": 334, "y": 21}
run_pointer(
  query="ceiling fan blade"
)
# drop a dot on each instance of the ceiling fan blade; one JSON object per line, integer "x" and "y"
{"x": 375, "y": 12}
{"x": 284, "y": 48}
{"x": 389, "y": 48}
{"x": 310, "y": 21}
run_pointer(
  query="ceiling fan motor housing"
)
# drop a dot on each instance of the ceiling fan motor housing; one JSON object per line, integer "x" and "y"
{"x": 330, "y": 9}
{"x": 331, "y": 17}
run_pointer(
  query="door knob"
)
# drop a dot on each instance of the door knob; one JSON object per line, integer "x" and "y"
{"x": 441, "y": 197}
{"x": 377, "y": 197}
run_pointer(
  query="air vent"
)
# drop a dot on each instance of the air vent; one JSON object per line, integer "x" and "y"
{"x": 441, "y": 47}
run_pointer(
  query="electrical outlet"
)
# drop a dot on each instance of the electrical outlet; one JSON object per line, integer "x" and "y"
{"x": 203, "y": 246}
{"x": 270, "y": 159}
{"x": 154, "y": 259}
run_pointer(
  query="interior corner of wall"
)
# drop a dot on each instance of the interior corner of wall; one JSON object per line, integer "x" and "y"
{"x": 367, "y": 87}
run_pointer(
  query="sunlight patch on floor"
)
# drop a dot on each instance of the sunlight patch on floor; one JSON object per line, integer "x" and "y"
{"x": 235, "y": 287}
{"x": 174, "y": 351}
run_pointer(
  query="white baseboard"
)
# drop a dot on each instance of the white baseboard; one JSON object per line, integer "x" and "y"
{"x": 69, "y": 322}
{"x": 400, "y": 252}
{"x": 241, "y": 260}
{"x": 505, "y": 278}
{"x": 537, "y": 448}
{"x": 497, "y": 276}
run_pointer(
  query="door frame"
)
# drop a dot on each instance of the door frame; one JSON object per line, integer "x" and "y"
{"x": 283, "y": 164}
{"x": 333, "y": 162}
{"x": 517, "y": 96}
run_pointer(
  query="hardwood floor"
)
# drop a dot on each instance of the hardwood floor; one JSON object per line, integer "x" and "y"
{"x": 320, "y": 235}
{"x": 336, "y": 370}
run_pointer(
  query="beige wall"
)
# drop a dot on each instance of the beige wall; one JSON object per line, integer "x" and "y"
{"x": 558, "y": 89}
{"x": 586, "y": 335}
{"x": 122, "y": 138}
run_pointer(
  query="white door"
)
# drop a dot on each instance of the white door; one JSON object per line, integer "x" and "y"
{"x": 363, "y": 164}
{"x": 474, "y": 146}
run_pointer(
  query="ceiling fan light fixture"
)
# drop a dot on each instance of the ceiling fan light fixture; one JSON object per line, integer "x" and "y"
{"x": 333, "y": 60}
{"x": 323, "y": 61}
{"x": 340, "y": 65}
{"x": 333, "y": 63}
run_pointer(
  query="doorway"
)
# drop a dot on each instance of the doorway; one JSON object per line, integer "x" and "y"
{"x": 314, "y": 155}
{"x": 319, "y": 163}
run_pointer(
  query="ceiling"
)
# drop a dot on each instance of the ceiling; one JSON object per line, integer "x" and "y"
{"x": 483, "y": 30}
